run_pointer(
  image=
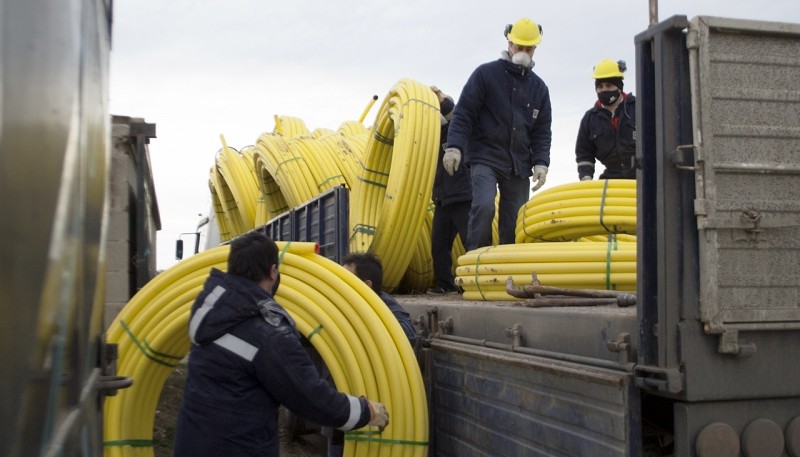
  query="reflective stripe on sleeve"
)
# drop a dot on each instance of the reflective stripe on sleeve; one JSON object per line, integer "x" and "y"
{"x": 208, "y": 304}
{"x": 238, "y": 346}
{"x": 355, "y": 413}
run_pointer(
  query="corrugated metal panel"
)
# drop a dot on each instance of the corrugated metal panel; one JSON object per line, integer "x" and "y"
{"x": 323, "y": 220}
{"x": 746, "y": 105}
{"x": 488, "y": 402}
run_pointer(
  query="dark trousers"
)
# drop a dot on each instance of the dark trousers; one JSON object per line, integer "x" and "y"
{"x": 514, "y": 192}
{"x": 448, "y": 221}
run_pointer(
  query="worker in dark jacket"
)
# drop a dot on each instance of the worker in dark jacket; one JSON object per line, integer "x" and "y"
{"x": 246, "y": 360}
{"x": 452, "y": 196}
{"x": 608, "y": 131}
{"x": 368, "y": 268}
{"x": 501, "y": 129}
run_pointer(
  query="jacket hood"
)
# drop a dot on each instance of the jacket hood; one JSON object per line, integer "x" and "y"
{"x": 226, "y": 301}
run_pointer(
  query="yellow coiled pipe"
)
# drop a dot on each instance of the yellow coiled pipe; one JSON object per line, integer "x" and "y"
{"x": 357, "y": 336}
{"x": 393, "y": 191}
{"x": 482, "y": 273}
{"x": 575, "y": 210}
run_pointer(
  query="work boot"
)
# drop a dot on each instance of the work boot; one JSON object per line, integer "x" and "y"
{"x": 441, "y": 290}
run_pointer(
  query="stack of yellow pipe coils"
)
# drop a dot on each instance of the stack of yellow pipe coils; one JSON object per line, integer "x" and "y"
{"x": 352, "y": 128}
{"x": 391, "y": 197}
{"x": 238, "y": 180}
{"x": 389, "y": 170}
{"x": 288, "y": 169}
{"x": 571, "y": 211}
{"x": 599, "y": 214}
{"x": 419, "y": 274}
{"x": 483, "y": 272}
{"x": 357, "y": 336}
{"x": 290, "y": 127}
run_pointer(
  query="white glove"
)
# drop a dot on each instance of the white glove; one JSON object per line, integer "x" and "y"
{"x": 538, "y": 178}
{"x": 378, "y": 416}
{"x": 451, "y": 159}
{"x": 586, "y": 178}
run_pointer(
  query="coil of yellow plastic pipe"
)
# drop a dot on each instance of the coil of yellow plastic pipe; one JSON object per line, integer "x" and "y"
{"x": 356, "y": 334}
{"x": 482, "y": 273}
{"x": 575, "y": 210}
{"x": 393, "y": 191}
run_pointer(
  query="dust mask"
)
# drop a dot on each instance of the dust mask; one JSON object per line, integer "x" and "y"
{"x": 521, "y": 58}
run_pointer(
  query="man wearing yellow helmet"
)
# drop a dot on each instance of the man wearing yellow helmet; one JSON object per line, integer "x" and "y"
{"x": 608, "y": 130}
{"x": 501, "y": 127}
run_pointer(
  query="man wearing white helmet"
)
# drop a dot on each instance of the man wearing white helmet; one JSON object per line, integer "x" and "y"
{"x": 608, "y": 130}
{"x": 501, "y": 132}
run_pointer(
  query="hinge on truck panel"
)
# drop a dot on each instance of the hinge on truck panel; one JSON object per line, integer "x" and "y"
{"x": 446, "y": 326}
{"x": 108, "y": 382}
{"x": 663, "y": 380}
{"x": 433, "y": 321}
{"x": 621, "y": 344}
{"x": 729, "y": 344}
{"x": 751, "y": 220}
{"x": 515, "y": 333}
{"x": 683, "y": 157}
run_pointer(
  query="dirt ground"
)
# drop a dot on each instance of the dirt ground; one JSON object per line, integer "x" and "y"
{"x": 310, "y": 445}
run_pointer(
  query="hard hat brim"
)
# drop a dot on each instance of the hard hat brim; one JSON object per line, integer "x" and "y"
{"x": 526, "y": 42}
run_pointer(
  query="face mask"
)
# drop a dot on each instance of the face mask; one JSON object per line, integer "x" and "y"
{"x": 608, "y": 97}
{"x": 522, "y": 59}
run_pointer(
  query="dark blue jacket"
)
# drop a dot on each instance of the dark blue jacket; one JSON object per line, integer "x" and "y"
{"x": 614, "y": 146}
{"x": 503, "y": 119}
{"x": 402, "y": 317}
{"x": 246, "y": 359}
{"x": 450, "y": 189}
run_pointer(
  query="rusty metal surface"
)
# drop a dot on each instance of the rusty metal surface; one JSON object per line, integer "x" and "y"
{"x": 579, "y": 331}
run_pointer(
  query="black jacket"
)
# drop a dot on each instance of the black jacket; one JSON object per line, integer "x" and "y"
{"x": 246, "y": 360}
{"x": 402, "y": 316}
{"x": 503, "y": 119}
{"x": 450, "y": 189}
{"x": 615, "y": 148}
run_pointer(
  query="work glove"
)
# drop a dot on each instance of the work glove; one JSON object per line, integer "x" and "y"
{"x": 439, "y": 93}
{"x": 586, "y": 178}
{"x": 451, "y": 159}
{"x": 538, "y": 178}
{"x": 378, "y": 416}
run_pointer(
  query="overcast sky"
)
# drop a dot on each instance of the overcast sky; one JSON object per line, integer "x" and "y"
{"x": 201, "y": 68}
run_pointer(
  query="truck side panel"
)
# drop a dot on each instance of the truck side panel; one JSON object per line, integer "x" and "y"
{"x": 747, "y": 124}
{"x": 500, "y": 403}
{"x": 719, "y": 275}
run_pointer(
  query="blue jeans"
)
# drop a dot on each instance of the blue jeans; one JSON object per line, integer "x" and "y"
{"x": 448, "y": 221}
{"x": 514, "y": 192}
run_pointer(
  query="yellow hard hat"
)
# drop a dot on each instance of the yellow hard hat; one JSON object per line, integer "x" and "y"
{"x": 607, "y": 68}
{"x": 524, "y": 32}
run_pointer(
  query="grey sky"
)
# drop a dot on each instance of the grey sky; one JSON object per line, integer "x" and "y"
{"x": 201, "y": 68}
